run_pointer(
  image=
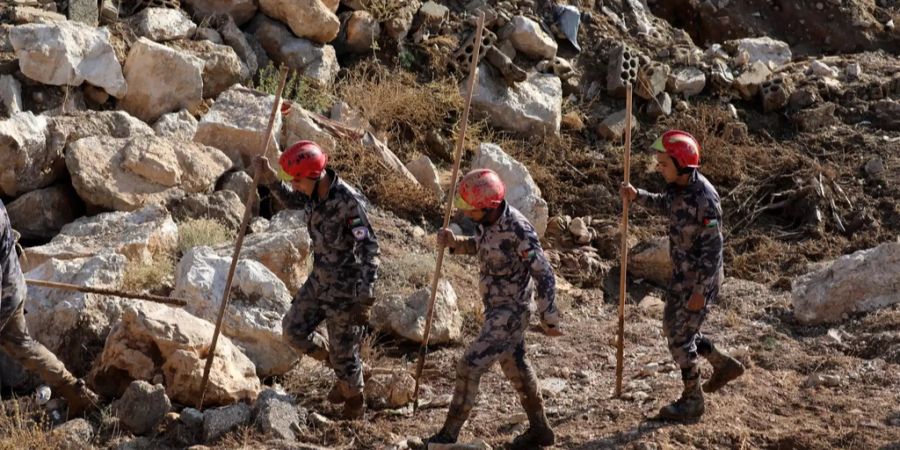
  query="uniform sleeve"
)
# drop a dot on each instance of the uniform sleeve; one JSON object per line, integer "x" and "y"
{"x": 287, "y": 196}
{"x": 365, "y": 243}
{"x": 654, "y": 200}
{"x": 708, "y": 245}
{"x": 541, "y": 271}
{"x": 466, "y": 245}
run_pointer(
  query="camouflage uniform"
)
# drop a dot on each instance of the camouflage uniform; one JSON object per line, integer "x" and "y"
{"x": 510, "y": 256}
{"x": 695, "y": 246}
{"x": 14, "y": 337}
{"x": 345, "y": 261}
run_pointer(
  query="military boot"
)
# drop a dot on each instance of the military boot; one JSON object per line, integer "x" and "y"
{"x": 449, "y": 433}
{"x": 354, "y": 407}
{"x": 79, "y": 398}
{"x": 539, "y": 433}
{"x": 335, "y": 395}
{"x": 725, "y": 369}
{"x": 690, "y": 406}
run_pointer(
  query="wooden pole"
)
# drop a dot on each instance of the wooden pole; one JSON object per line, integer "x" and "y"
{"x": 111, "y": 292}
{"x": 623, "y": 288}
{"x": 448, "y": 211}
{"x": 239, "y": 242}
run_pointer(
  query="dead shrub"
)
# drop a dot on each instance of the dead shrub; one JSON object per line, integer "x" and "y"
{"x": 199, "y": 232}
{"x": 23, "y": 424}
{"x": 304, "y": 91}
{"x": 151, "y": 277}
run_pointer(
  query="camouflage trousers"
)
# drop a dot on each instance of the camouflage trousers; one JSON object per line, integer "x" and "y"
{"x": 317, "y": 301}
{"x": 682, "y": 329}
{"x": 31, "y": 354}
{"x": 502, "y": 339}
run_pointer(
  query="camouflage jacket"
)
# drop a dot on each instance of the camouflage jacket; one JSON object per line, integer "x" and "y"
{"x": 12, "y": 283}
{"x": 510, "y": 255}
{"x": 695, "y": 233}
{"x": 345, "y": 248}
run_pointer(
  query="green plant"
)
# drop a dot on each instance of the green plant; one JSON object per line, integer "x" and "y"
{"x": 304, "y": 91}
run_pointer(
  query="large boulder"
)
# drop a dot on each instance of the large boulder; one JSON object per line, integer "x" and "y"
{"x": 258, "y": 302}
{"x": 68, "y": 53}
{"x": 236, "y": 39}
{"x": 405, "y": 317}
{"x": 162, "y": 24}
{"x": 426, "y": 174}
{"x": 771, "y": 52}
{"x": 521, "y": 190}
{"x": 65, "y": 129}
{"x": 161, "y": 80}
{"x": 308, "y": 19}
{"x": 73, "y": 325}
{"x": 236, "y": 124}
{"x": 860, "y": 282}
{"x": 299, "y": 125}
{"x": 139, "y": 236}
{"x": 650, "y": 260}
{"x": 179, "y": 125}
{"x": 219, "y": 421}
{"x": 529, "y": 39}
{"x": 224, "y": 207}
{"x": 390, "y": 159}
{"x": 125, "y": 174}
{"x": 28, "y": 164}
{"x": 40, "y": 214}
{"x": 241, "y": 11}
{"x": 222, "y": 67}
{"x": 532, "y": 107}
{"x": 283, "y": 249}
{"x": 154, "y": 340}
{"x": 276, "y": 413}
{"x": 359, "y": 32}
{"x": 10, "y": 95}
{"x": 311, "y": 59}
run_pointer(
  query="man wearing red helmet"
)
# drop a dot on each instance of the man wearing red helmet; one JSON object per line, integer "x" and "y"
{"x": 510, "y": 255}
{"x": 340, "y": 288}
{"x": 695, "y": 246}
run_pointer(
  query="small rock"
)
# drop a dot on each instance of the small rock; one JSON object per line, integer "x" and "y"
{"x": 308, "y": 19}
{"x": 533, "y": 107}
{"x": 651, "y": 80}
{"x": 218, "y": 421}
{"x": 553, "y": 386}
{"x": 580, "y": 231}
{"x": 236, "y": 124}
{"x": 236, "y": 39}
{"x": 77, "y": 433}
{"x": 403, "y": 316}
{"x": 319, "y": 420}
{"x": 162, "y": 24}
{"x": 770, "y": 52}
{"x": 393, "y": 390}
{"x": 191, "y": 417}
{"x": 747, "y": 84}
{"x": 426, "y": 174}
{"x": 661, "y": 106}
{"x": 875, "y": 167}
{"x": 434, "y": 12}
{"x": 821, "y": 69}
{"x": 208, "y": 34}
{"x": 528, "y": 38}
{"x": 803, "y": 98}
{"x": 815, "y": 118}
{"x": 688, "y": 81}
{"x": 84, "y": 11}
{"x": 613, "y": 127}
{"x": 276, "y": 414}
{"x": 142, "y": 407}
{"x": 652, "y": 304}
{"x": 682, "y": 106}
{"x": 854, "y": 71}
{"x": 650, "y": 260}
{"x": 10, "y": 95}
{"x": 181, "y": 125}
{"x": 359, "y": 32}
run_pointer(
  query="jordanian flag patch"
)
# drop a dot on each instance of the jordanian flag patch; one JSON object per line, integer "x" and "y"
{"x": 354, "y": 222}
{"x": 710, "y": 223}
{"x": 529, "y": 254}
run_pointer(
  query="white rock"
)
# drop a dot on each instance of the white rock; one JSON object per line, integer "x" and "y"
{"x": 236, "y": 124}
{"x": 652, "y": 304}
{"x": 258, "y": 302}
{"x": 359, "y": 32}
{"x": 299, "y": 125}
{"x": 854, "y": 71}
{"x": 528, "y": 38}
{"x": 180, "y": 125}
{"x": 28, "y": 164}
{"x": 162, "y": 24}
{"x": 821, "y": 69}
{"x": 434, "y": 12}
{"x": 860, "y": 282}
{"x": 406, "y": 317}
{"x": 308, "y": 19}
{"x": 153, "y": 339}
{"x": 613, "y": 126}
{"x": 222, "y": 67}
{"x": 68, "y": 53}
{"x": 161, "y": 80}
{"x": 747, "y": 84}
{"x": 769, "y": 51}
{"x": 650, "y": 260}
{"x": 143, "y": 170}
{"x": 521, "y": 190}
{"x": 139, "y": 236}
{"x": 313, "y": 60}
{"x": 424, "y": 171}
{"x": 532, "y": 107}
{"x": 241, "y": 11}
{"x": 283, "y": 249}
{"x": 67, "y": 322}
{"x": 10, "y": 95}
{"x": 688, "y": 81}
{"x": 393, "y": 390}
{"x": 580, "y": 231}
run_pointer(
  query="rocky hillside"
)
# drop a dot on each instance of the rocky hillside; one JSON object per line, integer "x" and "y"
{"x": 126, "y": 129}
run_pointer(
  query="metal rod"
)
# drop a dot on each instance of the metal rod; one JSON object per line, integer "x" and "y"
{"x": 112, "y": 292}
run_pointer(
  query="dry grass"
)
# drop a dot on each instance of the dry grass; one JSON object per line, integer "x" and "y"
{"x": 149, "y": 277}
{"x": 199, "y": 232}
{"x": 24, "y": 425}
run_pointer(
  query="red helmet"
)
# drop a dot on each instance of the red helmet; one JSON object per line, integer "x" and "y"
{"x": 480, "y": 189}
{"x": 305, "y": 159}
{"x": 681, "y": 146}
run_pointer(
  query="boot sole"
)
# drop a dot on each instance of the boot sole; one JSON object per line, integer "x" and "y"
{"x": 728, "y": 376}
{"x": 665, "y": 416}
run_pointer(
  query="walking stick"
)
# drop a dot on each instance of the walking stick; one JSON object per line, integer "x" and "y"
{"x": 104, "y": 291}
{"x": 248, "y": 211}
{"x": 620, "y": 344}
{"x": 457, "y": 156}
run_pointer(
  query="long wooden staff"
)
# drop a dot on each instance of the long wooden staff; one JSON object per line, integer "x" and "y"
{"x": 623, "y": 288}
{"x": 460, "y": 141}
{"x": 104, "y": 291}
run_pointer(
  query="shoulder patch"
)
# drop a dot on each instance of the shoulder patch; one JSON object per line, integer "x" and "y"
{"x": 710, "y": 223}
{"x": 529, "y": 254}
{"x": 360, "y": 233}
{"x": 354, "y": 222}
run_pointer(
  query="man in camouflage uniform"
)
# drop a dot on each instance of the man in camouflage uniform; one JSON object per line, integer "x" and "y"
{"x": 510, "y": 256}
{"x": 14, "y": 337}
{"x": 695, "y": 246}
{"x": 340, "y": 288}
